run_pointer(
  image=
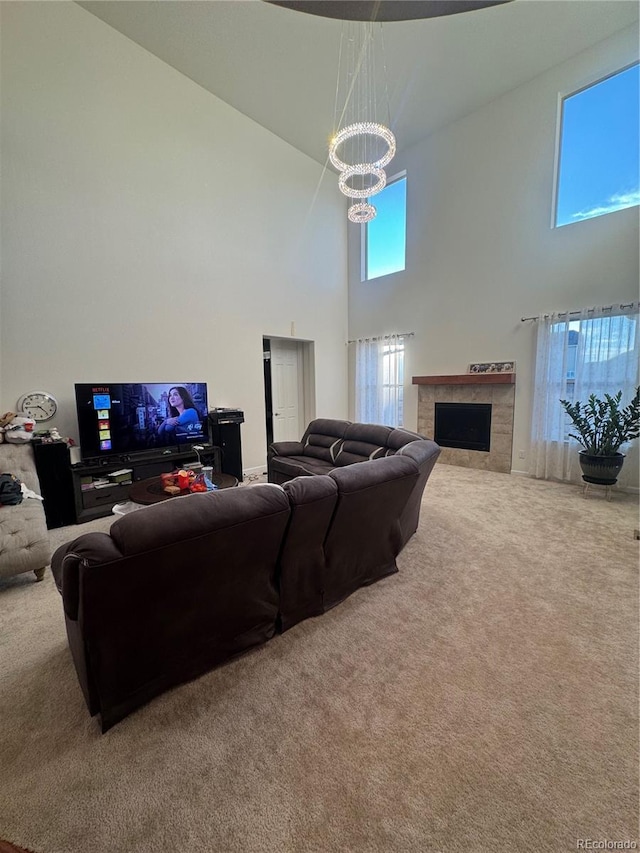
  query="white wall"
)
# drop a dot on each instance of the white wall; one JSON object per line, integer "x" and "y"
{"x": 150, "y": 232}
{"x": 480, "y": 250}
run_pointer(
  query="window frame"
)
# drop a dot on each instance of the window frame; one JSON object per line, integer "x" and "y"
{"x": 364, "y": 231}
{"x": 562, "y": 97}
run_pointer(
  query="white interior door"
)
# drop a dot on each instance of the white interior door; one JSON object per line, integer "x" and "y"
{"x": 286, "y": 390}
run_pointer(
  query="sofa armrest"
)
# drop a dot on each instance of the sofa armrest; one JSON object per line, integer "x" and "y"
{"x": 285, "y": 448}
{"x": 88, "y": 549}
{"x": 424, "y": 453}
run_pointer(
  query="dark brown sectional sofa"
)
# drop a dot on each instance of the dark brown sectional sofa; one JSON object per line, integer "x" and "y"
{"x": 328, "y": 444}
{"x": 332, "y": 444}
{"x": 177, "y": 588}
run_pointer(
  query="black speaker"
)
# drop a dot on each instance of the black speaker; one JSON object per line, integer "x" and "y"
{"x": 53, "y": 466}
{"x": 224, "y": 432}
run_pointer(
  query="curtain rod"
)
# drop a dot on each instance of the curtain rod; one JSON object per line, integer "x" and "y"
{"x": 383, "y": 337}
{"x": 587, "y": 310}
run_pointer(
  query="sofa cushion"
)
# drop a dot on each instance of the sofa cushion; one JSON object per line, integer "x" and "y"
{"x": 381, "y": 472}
{"x": 285, "y": 448}
{"x": 369, "y": 433}
{"x": 358, "y": 451}
{"x": 301, "y": 580}
{"x": 323, "y": 438}
{"x": 324, "y": 447}
{"x": 365, "y": 534}
{"x": 363, "y": 442}
{"x": 399, "y": 437}
{"x": 300, "y": 466}
{"x": 326, "y": 426}
{"x": 190, "y": 516}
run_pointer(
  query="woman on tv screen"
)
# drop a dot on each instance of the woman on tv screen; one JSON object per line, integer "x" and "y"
{"x": 183, "y": 415}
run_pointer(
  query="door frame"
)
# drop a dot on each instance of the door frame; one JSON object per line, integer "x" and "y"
{"x": 306, "y": 381}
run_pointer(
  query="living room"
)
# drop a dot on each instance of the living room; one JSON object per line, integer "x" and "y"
{"x": 121, "y": 183}
{"x": 151, "y": 231}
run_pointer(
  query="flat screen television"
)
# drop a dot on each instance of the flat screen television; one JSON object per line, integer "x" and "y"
{"x": 123, "y": 418}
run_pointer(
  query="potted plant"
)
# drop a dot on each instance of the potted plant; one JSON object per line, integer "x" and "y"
{"x": 601, "y": 428}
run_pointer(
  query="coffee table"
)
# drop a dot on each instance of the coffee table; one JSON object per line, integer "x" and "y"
{"x": 151, "y": 491}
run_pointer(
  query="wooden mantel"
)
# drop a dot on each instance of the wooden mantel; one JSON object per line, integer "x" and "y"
{"x": 467, "y": 379}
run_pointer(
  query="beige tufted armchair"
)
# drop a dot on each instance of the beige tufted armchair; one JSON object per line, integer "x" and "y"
{"x": 24, "y": 539}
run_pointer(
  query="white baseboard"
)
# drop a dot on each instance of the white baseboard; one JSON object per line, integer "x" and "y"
{"x": 252, "y": 472}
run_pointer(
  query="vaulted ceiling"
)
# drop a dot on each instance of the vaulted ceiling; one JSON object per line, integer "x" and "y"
{"x": 279, "y": 66}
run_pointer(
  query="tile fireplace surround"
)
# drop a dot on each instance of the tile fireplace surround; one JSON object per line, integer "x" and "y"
{"x": 496, "y": 388}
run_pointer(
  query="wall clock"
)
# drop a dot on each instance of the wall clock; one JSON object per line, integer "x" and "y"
{"x": 38, "y": 405}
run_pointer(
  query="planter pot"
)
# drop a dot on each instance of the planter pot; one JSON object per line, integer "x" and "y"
{"x": 601, "y": 470}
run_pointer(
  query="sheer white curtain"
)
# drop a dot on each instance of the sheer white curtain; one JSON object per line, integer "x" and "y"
{"x": 594, "y": 351}
{"x": 380, "y": 380}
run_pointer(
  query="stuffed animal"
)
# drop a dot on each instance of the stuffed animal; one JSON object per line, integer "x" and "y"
{"x": 19, "y": 429}
{"x": 4, "y": 420}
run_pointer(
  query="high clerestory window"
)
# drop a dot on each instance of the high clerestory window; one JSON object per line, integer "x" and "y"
{"x": 385, "y": 236}
{"x": 598, "y": 157}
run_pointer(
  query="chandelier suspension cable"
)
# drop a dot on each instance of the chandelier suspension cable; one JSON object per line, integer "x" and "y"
{"x": 374, "y": 75}
{"x": 357, "y": 147}
{"x": 370, "y": 77}
{"x": 366, "y": 94}
{"x": 361, "y": 101}
{"x": 359, "y": 71}
{"x": 346, "y": 69}
{"x": 386, "y": 78}
{"x": 337, "y": 121}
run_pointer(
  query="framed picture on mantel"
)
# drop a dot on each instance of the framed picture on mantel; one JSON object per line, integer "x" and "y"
{"x": 493, "y": 367}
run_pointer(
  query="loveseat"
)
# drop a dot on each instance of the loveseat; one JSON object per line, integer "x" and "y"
{"x": 24, "y": 539}
{"x": 178, "y": 587}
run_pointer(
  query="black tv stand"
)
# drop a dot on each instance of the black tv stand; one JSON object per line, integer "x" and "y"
{"x": 93, "y": 503}
{"x": 139, "y": 456}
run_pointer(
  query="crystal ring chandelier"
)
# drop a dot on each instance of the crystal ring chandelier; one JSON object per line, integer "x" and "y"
{"x": 361, "y": 212}
{"x": 362, "y": 146}
{"x": 361, "y": 129}
{"x": 362, "y": 170}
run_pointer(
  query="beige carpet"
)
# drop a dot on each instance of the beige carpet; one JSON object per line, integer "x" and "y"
{"x": 484, "y": 699}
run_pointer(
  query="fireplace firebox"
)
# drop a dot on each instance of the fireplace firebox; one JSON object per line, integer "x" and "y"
{"x": 463, "y": 425}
